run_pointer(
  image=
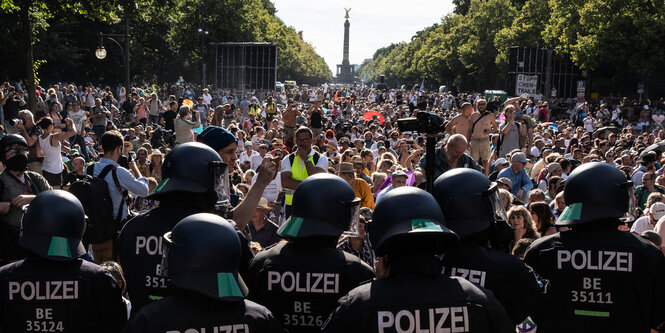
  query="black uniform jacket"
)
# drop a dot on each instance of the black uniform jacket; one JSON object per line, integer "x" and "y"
{"x": 182, "y": 313}
{"x": 417, "y": 298}
{"x": 140, "y": 252}
{"x": 39, "y": 295}
{"x": 602, "y": 280}
{"x": 514, "y": 283}
{"x": 301, "y": 282}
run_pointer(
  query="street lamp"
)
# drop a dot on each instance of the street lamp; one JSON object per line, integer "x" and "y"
{"x": 204, "y": 33}
{"x": 100, "y": 52}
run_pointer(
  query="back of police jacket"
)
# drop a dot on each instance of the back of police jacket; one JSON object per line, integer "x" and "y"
{"x": 514, "y": 283}
{"x": 415, "y": 297}
{"x": 301, "y": 280}
{"x": 188, "y": 312}
{"x": 140, "y": 251}
{"x": 602, "y": 280}
{"x": 40, "y": 295}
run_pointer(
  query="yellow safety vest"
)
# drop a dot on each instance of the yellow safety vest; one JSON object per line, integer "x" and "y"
{"x": 299, "y": 173}
{"x": 254, "y": 109}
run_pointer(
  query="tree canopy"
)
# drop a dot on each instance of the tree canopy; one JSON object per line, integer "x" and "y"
{"x": 164, "y": 42}
{"x": 469, "y": 48}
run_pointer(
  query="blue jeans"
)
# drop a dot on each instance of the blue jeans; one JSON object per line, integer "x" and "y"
{"x": 154, "y": 119}
{"x": 77, "y": 139}
{"x": 99, "y": 130}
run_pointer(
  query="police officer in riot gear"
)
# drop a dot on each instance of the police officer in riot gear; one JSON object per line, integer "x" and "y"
{"x": 52, "y": 289}
{"x": 201, "y": 256}
{"x": 603, "y": 279}
{"x": 474, "y": 211}
{"x": 193, "y": 182}
{"x": 301, "y": 280}
{"x": 410, "y": 293}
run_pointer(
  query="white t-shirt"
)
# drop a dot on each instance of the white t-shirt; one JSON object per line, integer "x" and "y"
{"x": 254, "y": 161}
{"x": 321, "y": 163}
{"x": 244, "y": 157}
{"x": 78, "y": 118}
{"x": 272, "y": 190}
{"x": 206, "y": 99}
{"x": 642, "y": 224}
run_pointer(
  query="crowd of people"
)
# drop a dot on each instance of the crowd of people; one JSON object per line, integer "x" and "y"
{"x": 159, "y": 149}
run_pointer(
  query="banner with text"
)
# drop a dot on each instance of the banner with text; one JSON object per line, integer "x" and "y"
{"x": 526, "y": 84}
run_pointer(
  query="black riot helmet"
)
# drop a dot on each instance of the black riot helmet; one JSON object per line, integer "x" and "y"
{"x": 9, "y": 140}
{"x": 195, "y": 168}
{"x": 470, "y": 202}
{"x": 408, "y": 220}
{"x": 323, "y": 205}
{"x": 202, "y": 254}
{"x": 53, "y": 225}
{"x": 597, "y": 191}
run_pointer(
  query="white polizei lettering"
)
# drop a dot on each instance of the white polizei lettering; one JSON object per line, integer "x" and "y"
{"x": 315, "y": 286}
{"x": 386, "y": 319}
{"x": 447, "y": 320}
{"x": 298, "y": 287}
{"x": 417, "y": 328}
{"x": 561, "y": 257}
{"x": 44, "y": 290}
{"x": 237, "y": 328}
{"x": 273, "y": 278}
{"x": 442, "y": 320}
{"x": 322, "y": 283}
{"x": 472, "y": 275}
{"x": 151, "y": 244}
{"x": 293, "y": 279}
{"x": 462, "y": 318}
{"x": 580, "y": 255}
{"x": 606, "y": 265}
{"x": 398, "y": 321}
{"x": 605, "y": 260}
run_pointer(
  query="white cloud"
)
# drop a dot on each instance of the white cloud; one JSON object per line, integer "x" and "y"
{"x": 374, "y": 23}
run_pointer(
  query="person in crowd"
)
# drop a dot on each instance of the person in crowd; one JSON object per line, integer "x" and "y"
{"x": 360, "y": 187}
{"x": 78, "y": 295}
{"x": 407, "y": 244}
{"x": 543, "y": 218}
{"x": 474, "y": 211}
{"x": 300, "y": 164}
{"x": 120, "y": 181}
{"x": 319, "y": 218}
{"x": 262, "y": 230}
{"x": 652, "y": 214}
{"x": 648, "y": 186}
{"x": 202, "y": 261}
{"x": 184, "y": 126}
{"x": 594, "y": 212}
{"x": 49, "y": 142}
{"x": 521, "y": 183}
{"x": 520, "y": 220}
{"x": 453, "y": 156}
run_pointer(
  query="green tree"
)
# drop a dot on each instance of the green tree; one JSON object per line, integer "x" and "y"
{"x": 33, "y": 16}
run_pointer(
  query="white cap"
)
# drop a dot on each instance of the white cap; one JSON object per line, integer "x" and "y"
{"x": 657, "y": 210}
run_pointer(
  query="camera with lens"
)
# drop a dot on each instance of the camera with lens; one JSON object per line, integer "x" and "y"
{"x": 17, "y": 121}
{"x": 423, "y": 122}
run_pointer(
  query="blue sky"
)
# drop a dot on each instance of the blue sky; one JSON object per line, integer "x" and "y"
{"x": 374, "y": 23}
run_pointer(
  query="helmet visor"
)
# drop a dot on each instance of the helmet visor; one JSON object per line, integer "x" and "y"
{"x": 631, "y": 214}
{"x": 167, "y": 244}
{"x": 353, "y": 208}
{"x": 219, "y": 173}
{"x": 496, "y": 204}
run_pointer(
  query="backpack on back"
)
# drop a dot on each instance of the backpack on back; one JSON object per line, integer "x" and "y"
{"x": 93, "y": 192}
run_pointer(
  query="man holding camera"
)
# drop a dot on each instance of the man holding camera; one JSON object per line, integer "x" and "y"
{"x": 451, "y": 157}
{"x": 11, "y": 104}
{"x": 24, "y": 125}
{"x": 18, "y": 187}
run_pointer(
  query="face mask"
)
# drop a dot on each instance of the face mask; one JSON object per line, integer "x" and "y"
{"x": 17, "y": 163}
